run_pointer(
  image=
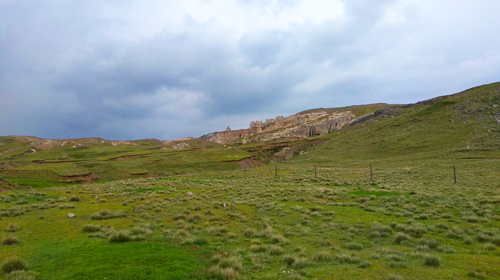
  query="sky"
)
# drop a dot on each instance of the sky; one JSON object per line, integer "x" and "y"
{"x": 125, "y": 70}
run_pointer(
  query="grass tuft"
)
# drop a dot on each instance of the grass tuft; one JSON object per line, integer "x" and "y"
{"x": 431, "y": 260}
{"x": 14, "y": 264}
{"x": 11, "y": 240}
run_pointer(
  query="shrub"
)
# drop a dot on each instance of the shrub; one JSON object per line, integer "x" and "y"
{"x": 364, "y": 264}
{"x": 10, "y": 240}
{"x": 106, "y": 214}
{"x": 274, "y": 250}
{"x": 322, "y": 256}
{"x": 21, "y": 201}
{"x": 315, "y": 209}
{"x": 66, "y": 206}
{"x": 194, "y": 218}
{"x": 347, "y": 259}
{"x": 227, "y": 268}
{"x": 200, "y": 241}
{"x": 354, "y": 246}
{"x": 431, "y": 260}
{"x": 400, "y": 237}
{"x": 446, "y": 216}
{"x": 179, "y": 217}
{"x": 449, "y": 251}
{"x": 257, "y": 248}
{"x": 14, "y": 264}
{"x": 249, "y": 232}
{"x": 476, "y": 274}
{"x": 394, "y": 277}
{"x": 119, "y": 236}
{"x": 278, "y": 238}
{"x": 91, "y": 228}
{"x": 141, "y": 230}
{"x": 21, "y": 275}
{"x": 482, "y": 238}
{"x": 300, "y": 263}
{"x": 329, "y": 213}
{"x": 216, "y": 230}
{"x": 324, "y": 242}
{"x": 12, "y": 228}
{"x": 452, "y": 235}
{"x": 496, "y": 241}
{"x": 74, "y": 198}
{"x": 490, "y": 247}
{"x": 289, "y": 260}
{"x": 471, "y": 219}
{"x": 468, "y": 240}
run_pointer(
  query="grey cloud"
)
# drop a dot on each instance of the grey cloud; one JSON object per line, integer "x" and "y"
{"x": 70, "y": 70}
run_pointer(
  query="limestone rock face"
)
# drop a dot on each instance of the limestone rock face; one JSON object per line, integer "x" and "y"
{"x": 301, "y": 125}
{"x": 180, "y": 146}
{"x": 79, "y": 146}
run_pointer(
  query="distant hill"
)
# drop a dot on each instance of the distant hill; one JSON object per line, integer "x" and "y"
{"x": 463, "y": 127}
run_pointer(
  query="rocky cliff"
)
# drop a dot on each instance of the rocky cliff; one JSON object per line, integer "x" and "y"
{"x": 300, "y": 125}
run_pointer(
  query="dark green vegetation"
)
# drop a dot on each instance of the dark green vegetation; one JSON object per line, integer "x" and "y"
{"x": 410, "y": 222}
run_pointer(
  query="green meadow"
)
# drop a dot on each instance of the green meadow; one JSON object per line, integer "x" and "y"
{"x": 428, "y": 208}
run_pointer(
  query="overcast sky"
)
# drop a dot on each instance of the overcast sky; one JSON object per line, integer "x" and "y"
{"x": 170, "y": 69}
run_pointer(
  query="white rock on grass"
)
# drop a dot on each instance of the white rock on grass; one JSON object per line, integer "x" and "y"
{"x": 71, "y": 215}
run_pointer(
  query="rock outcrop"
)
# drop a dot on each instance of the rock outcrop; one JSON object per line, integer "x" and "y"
{"x": 300, "y": 125}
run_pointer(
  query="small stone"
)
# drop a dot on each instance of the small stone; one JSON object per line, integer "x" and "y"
{"x": 224, "y": 205}
{"x": 189, "y": 194}
{"x": 71, "y": 215}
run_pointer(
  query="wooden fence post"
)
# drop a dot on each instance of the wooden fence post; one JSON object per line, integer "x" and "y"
{"x": 454, "y": 175}
{"x": 275, "y": 172}
{"x": 315, "y": 172}
{"x": 371, "y": 173}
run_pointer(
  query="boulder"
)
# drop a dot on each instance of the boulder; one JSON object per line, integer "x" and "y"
{"x": 71, "y": 215}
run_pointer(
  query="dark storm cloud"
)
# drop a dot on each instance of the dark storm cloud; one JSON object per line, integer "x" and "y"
{"x": 169, "y": 69}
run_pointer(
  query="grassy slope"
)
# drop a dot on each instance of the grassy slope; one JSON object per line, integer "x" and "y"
{"x": 50, "y": 167}
{"x": 412, "y": 190}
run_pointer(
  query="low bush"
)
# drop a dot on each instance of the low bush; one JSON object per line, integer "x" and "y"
{"x": 322, "y": 256}
{"x": 431, "y": 260}
{"x": 400, "y": 237}
{"x": 91, "y": 228}
{"x": 106, "y": 214}
{"x": 12, "y": 228}
{"x": 14, "y": 264}
{"x": 11, "y": 240}
{"x": 21, "y": 275}
{"x": 119, "y": 236}
{"x": 354, "y": 246}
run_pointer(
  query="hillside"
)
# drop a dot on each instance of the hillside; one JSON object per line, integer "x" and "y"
{"x": 459, "y": 128}
{"x": 376, "y": 199}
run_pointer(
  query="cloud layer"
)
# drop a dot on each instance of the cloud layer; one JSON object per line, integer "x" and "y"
{"x": 170, "y": 69}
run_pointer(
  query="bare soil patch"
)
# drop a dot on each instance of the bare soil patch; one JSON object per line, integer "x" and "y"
{"x": 248, "y": 163}
{"x": 80, "y": 178}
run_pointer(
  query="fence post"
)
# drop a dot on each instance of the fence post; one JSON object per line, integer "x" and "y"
{"x": 275, "y": 172}
{"x": 371, "y": 173}
{"x": 315, "y": 172}
{"x": 454, "y": 175}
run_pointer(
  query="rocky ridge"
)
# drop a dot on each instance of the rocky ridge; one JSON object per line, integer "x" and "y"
{"x": 301, "y": 125}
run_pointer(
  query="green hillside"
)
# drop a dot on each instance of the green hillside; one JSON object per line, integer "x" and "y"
{"x": 144, "y": 210}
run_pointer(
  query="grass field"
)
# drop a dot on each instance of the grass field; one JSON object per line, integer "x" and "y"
{"x": 192, "y": 214}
